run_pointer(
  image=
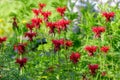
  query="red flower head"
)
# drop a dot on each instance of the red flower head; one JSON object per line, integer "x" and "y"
{"x": 105, "y": 49}
{"x": 57, "y": 44}
{"x": 30, "y": 26}
{"x": 68, "y": 43}
{"x": 35, "y": 11}
{"x": 98, "y": 31}
{"x": 61, "y": 10}
{"x": 41, "y": 6}
{"x": 93, "y": 68}
{"x": 74, "y": 57}
{"x": 46, "y": 15}
{"x": 15, "y": 25}
{"x": 51, "y": 25}
{"x": 21, "y": 62}
{"x": 20, "y": 48}
{"x": 36, "y": 22}
{"x": 30, "y": 35}
{"x": 103, "y": 73}
{"x": 62, "y": 24}
{"x": 2, "y": 39}
{"x": 91, "y": 50}
{"x": 108, "y": 15}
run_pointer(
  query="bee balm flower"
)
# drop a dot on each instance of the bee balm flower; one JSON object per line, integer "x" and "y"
{"x": 51, "y": 26}
{"x": 36, "y": 22}
{"x": 68, "y": 43}
{"x": 41, "y": 6}
{"x": 2, "y": 39}
{"x": 46, "y": 15}
{"x": 30, "y": 26}
{"x": 20, "y": 48}
{"x": 98, "y": 30}
{"x": 74, "y": 57}
{"x": 93, "y": 68}
{"x": 62, "y": 24}
{"x": 21, "y": 61}
{"x": 91, "y": 50}
{"x": 35, "y": 11}
{"x": 108, "y": 15}
{"x": 30, "y": 35}
{"x": 57, "y": 44}
{"x": 105, "y": 49}
{"x": 61, "y": 10}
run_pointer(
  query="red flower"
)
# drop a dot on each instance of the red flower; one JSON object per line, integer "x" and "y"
{"x": 68, "y": 43}
{"x": 105, "y": 49}
{"x": 62, "y": 24}
{"x": 103, "y": 73}
{"x": 51, "y": 25}
{"x": 36, "y": 22}
{"x": 57, "y": 44}
{"x": 35, "y": 11}
{"x": 41, "y": 5}
{"x": 21, "y": 62}
{"x": 93, "y": 68}
{"x": 98, "y": 30}
{"x": 74, "y": 57}
{"x": 46, "y": 15}
{"x": 30, "y": 26}
{"x": 2, "y": 39}
{"x": 61, "y": 10}
{"x": 108, "y": 15}
{"x": 91, "y": 50}
{"x": 14, "y": 23}
{"x": 30, "y": 35}
{"x": 20, "y": 48}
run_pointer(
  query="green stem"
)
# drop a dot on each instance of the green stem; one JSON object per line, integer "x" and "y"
{"x": 75, "y": 71}
{"x": 21, "y": 68}
{"x": 58, "y": 57}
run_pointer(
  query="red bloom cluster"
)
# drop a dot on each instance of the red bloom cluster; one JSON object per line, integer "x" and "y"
{"x": 68, "y": 43}
{"x": 98, "y": 30}
{"x": 57, "y": 44}
{"x": 105, "y": 49}
{"x": 2, "y": 39}
{"x": 93, "y": 68}
{"x": 30, "y": 35}
{"x": 51, "y": 26}
{"x": 36, "y": 11}
{"x": 61, "y": 10}
{"x": 62, "y": 24}
{"x": 36, "y": 22}
{"x": 108, "y": 15}
{"x": 59, "y": 25}
{"x": 91, "y": 50}
{"x": 61, "y": 42}
{"x": 74, "y": 57}
{"x": 15, "y": 25}
{"x": 41, "y": 6}
{"x": 21, "y": 61}
{"x": 30, "y": 26}
{"x": 20, "y": 48}
{"x": 46, "y": 15}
